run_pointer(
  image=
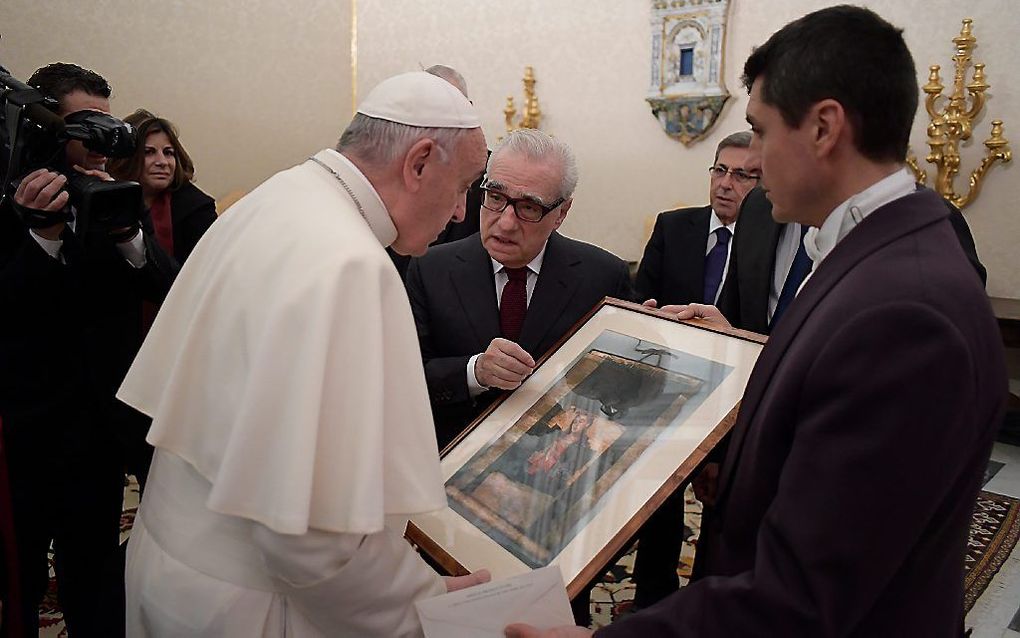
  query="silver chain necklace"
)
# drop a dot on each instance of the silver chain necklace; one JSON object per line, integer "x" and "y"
{"x": 354, "y": 198}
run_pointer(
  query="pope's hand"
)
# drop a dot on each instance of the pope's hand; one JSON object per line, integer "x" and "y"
{"x": 504, "y": 365}
{"x": 454, "y": 583}
{"x": 521, "y": 630}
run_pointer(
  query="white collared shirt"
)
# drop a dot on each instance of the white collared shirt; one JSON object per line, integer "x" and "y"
{"x": 819, "y": 242}
{"x": 133, "y": 251}
{"x": 501, "y": 279}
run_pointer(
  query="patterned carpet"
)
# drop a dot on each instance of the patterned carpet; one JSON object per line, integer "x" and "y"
{"x": 994, "y": 531}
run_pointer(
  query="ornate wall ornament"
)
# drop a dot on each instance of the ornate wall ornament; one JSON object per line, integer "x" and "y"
{"x": 954, "y": 122}
{"x": 532, "y": 115}
{"x": 687, "y": 92}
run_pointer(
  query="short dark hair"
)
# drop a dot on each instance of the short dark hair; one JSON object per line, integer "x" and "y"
{"x": 145, "y": 124}
{"x": 740, "y": 139}
{"x": 59, "y": 79}
{"x": 848, "y": 54}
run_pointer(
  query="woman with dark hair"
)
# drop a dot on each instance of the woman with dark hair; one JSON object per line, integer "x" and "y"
{"x": 180, "y": 211}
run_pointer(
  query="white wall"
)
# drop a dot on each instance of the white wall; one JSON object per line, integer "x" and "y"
{"x": 257, "y": 85}
{"x": 591, "y": 61}
{"x": 253, "y": 85}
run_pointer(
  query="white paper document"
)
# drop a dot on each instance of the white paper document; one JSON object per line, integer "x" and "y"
{"x": 537, "y": 598}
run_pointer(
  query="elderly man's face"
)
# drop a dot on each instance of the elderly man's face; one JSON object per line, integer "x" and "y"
{"x": 442, "y": 196}
{"x": 729, "y": 189}
{"x": 508, "y": 239}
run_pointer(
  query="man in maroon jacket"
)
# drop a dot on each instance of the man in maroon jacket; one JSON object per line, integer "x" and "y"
{"x": 843, "y": 502}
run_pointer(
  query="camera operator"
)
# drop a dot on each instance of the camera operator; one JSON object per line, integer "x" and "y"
{"x": 70, "y": 324}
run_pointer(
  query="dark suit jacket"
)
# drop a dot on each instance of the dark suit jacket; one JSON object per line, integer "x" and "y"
{"x": 68, "y": 333}
{"x": 745, "y": 295}
{"x": 672, "y": 269}
{"x": 192, "y": 212}
{"x": 845, "y": 497}
{"x": 453, "y": 297}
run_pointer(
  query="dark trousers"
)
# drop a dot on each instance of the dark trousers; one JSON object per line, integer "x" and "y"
{"x": 68, "y": 490}
{"x": 659, "y": 542}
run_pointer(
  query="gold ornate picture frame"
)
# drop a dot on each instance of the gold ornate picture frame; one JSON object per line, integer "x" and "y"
{"x": 565, "y": 469}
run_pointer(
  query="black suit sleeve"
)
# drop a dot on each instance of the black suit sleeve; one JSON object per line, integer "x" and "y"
{"x": 625, "y": 286}
{"x": 193, "y": 226}
{"x": 729, "y": 298}
{"x": 966, "y": 240}
{"x": 446, "y": 377}
{"x": 153, "y": 280}
{"x": 648, "y": 282}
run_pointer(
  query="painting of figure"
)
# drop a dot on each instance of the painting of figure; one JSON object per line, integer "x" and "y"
{"x": 534, "y": 487}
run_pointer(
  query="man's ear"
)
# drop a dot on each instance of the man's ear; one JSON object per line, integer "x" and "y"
{"x": 415, "y": 160}
{"x": 829, "y": 123}
{"x": 562, "y": 214}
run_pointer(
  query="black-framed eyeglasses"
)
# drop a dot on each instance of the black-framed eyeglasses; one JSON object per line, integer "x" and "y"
{"x": 740, "y": 176}
{"x": 527, "y": 210}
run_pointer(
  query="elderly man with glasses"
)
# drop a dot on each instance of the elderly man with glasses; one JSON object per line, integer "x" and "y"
{"x": 686, "y": 258}
{"x": 489, "y": 305}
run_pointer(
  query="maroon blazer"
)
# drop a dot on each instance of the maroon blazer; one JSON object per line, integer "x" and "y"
{"x": 847, "y": 488}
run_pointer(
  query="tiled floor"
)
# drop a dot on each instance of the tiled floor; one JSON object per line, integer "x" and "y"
{"x": 997, "y": 613}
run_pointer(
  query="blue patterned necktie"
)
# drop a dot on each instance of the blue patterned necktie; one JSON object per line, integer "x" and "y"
{"x": 715, "y": 262}
{"x": 798, "y": 271}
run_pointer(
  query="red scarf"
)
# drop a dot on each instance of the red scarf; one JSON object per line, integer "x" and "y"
{"x": 162, "y": 223}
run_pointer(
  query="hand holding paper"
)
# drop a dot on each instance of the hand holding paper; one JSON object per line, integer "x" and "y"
{"x": 537, "y": 598}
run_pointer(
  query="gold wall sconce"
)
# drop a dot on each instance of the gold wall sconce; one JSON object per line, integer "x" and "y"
{"x": 954, "y": 124}
{"x": 532, "y": 116}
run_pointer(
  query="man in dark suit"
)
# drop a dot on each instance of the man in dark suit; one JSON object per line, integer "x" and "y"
{"x": 763, "y": 255}
{"x": 71, "y": 296}
{"x": 685, "y": 261}
{"x": 831, "y": 519}
{"x": 474, "y": 344}
{"x": 686, "y": 257}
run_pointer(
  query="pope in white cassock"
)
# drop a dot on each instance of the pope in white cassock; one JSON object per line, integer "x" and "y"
{"x": 291, "y": 422}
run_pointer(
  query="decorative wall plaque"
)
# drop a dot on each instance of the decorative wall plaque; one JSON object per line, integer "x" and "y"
{"x": 687, "y": 92}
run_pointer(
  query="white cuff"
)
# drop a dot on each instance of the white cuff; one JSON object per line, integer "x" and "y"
{"x": 474, "y": 388}
{"x": 51, "y": 246}
{"x": 133, "y": 251}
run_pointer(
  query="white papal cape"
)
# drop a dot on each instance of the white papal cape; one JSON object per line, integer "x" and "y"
{"x": 291, "y": 422}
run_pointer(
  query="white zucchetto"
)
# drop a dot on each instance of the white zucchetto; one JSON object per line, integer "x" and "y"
{"x": 420, "y": 99}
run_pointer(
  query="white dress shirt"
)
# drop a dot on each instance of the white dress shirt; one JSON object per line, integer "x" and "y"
{"x": 501, "y": 279}
{"x": 819, "y": 242}
{"x": 133, "y": 251}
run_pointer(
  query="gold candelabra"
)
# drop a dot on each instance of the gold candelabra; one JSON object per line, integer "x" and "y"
{"x": 954, "y": 124}
{"x": 532, "y": 115}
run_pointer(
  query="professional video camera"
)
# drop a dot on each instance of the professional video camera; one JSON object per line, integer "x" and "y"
{"x": 33, "y": 136}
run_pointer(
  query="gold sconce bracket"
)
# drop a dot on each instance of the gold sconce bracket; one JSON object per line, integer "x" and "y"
{"x": 954, "y": 124}
{"x": 532, "y": 116}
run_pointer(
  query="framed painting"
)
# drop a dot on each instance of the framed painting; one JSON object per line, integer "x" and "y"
{"x": 565, "y": 469}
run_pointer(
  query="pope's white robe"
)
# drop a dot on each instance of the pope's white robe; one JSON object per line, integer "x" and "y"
{"x": 291, "y": 424}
